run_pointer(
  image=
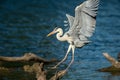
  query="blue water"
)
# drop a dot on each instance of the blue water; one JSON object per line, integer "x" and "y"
{"x": 24, "y": 25}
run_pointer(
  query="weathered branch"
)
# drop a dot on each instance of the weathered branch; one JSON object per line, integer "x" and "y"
{"x": 115, "y": 68}
{"x": 114, "y": 62}
{"x": 26, "y": 57}
{"x": 41, "y": 73}
{"x": 37, "y": 68}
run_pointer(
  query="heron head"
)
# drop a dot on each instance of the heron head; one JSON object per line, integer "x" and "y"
{"x": 53, "y": 32}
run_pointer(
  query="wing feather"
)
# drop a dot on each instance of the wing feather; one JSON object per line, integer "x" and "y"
{"x": 85, "y": 18}
{"x": 84, "y": 21}
{"x": 70, "y": 19}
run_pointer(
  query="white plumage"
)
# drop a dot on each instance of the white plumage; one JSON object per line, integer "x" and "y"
{"x": 81, "y": 27}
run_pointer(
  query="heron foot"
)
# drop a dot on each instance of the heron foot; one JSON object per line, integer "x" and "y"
{"x": 54, "y": 67}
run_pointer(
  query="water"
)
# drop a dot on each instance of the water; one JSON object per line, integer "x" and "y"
{"x": 25, "y": 24}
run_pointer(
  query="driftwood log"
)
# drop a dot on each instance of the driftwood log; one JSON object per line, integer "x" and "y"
{"x": 26, "y": 57}
{"x": 115, "y": 65}
{"x": 37, "y": 67}
{"x": 113, "y": 61}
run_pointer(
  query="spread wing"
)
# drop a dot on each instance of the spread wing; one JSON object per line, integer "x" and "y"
{"x": 83, "y": 25}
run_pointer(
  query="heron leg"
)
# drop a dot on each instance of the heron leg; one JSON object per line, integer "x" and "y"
{"x": 69, "y": 48}
{"x": 73, "y": 50}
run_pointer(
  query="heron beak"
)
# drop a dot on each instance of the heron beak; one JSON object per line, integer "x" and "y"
{"x": 50, "y": 33}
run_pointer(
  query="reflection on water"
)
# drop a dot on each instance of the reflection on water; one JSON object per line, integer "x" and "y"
{"x": 25, "y": 24}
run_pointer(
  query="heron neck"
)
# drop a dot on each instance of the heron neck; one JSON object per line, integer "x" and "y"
{"x": 60, "y": 36}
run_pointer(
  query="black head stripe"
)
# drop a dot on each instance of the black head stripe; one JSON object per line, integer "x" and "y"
{"x": 56, "y": 28}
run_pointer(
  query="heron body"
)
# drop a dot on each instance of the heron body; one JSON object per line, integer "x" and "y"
{"x": 81, "y": 27}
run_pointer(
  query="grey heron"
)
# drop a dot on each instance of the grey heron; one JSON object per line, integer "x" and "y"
{"x": 81, "y": 27}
